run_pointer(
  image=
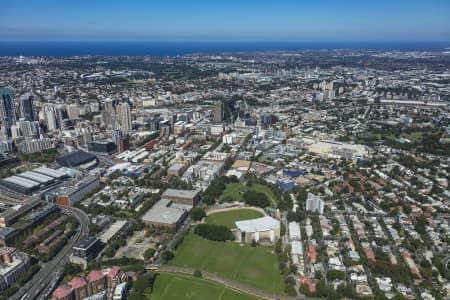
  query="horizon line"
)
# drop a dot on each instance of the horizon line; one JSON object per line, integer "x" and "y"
{"x": 227, "y": 41}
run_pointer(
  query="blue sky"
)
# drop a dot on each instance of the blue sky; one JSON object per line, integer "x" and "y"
{"x": 231, "y": 20}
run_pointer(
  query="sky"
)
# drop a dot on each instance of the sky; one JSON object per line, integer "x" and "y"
{"x": 230, "y": 20}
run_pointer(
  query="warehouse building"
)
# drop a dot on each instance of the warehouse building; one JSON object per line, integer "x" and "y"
{"x": 188, "y": 197}
{"x": 112, "y": 231}
{"x": 20, "y": 185}
{"x": 31, "y": 181}
{"x": 265, "y": 229}
{"x": 176, "y": 170}
{"x": 166, "y": 213}
{"x": 78, "y": 159}
{"x": 68, "y": 196}
{"x": 38, "y": 177}
{"x": 50, "y": 172}
{"x": 7, "y": 235}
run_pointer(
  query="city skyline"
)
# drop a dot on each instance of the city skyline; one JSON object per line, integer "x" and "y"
{"x": 350, "y": 21}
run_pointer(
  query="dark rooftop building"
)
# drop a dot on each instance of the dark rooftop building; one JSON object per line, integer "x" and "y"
{"x": 102, "y": 147}
{"x": 87, "y": 248}
{"x": 78, "y": 158}
{"x": 7, "y": 235}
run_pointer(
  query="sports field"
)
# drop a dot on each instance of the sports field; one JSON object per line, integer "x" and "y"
{"x": 254, "y": 266}
{"x": 236, "y": 190}
{"x": 227, "y": 218}
{"x": 180, "y": 287}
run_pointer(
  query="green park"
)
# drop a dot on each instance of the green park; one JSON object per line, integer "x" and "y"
{"x": 176, "y": 287}
{"x": 228, "y": 218}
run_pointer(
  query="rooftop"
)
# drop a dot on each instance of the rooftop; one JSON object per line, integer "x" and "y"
{"x": 180, "y": 193}
{"x": 77, "y": 282}
{"x": 260, "y": 224}
{"x": 165, "y": 211}
{"x": 95, "y": 275}
{"x": 84, "y": 244}
{"x": 75, "y": 158}
{"x": 62, "y": 291}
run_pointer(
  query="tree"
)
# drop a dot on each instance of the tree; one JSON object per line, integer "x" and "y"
{"x": 335, "y": 274}
{"x": 213, "y": 232}
{"x": 167, "y": 256}
{"x": 256, "y": 199}
{"x": 290, "y": 290}
{"x": 144, "y": 282}
{"x": 93, "y": 229}
{"x": 198, "y": 213}
{"x": 208, "y": 199}
{"x": 71, "y": 269}
{"x": 304, "y": 289}
{"x": 233, "y": 179}
{"x": 420, "y": 226}
{"x": 149, "y": 253}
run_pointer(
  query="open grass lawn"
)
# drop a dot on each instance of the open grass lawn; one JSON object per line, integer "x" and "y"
{"x": 180, "y": 287}
{"x": 236, "y": 191}
{"x": 414, "y": 136}
{"x": 228, "y": 218}
{"x": 254, "y": 266}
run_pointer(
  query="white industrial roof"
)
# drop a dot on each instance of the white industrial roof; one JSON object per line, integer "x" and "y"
{"x": 260, "y": 224}
{"x": 294, "y": 231}
{"x": 36, "y": 176}
{"x": 112, "y": 230}
{"x": 49, "y": 172}
{"x": 120, "y": 167}
{"x": 179, "y": 193}
{"x": 22, "y": 181}
{"x": 164, "y": 211}
{"x": 296, "y": 248}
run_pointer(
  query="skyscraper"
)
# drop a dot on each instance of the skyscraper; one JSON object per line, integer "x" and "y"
{"x": 26, "y": 107}
{"x": 25, "y": 127}
{"x": 107, "y": 113}
{"x": 125, "y": 117}
{"x": 218, "y": 112}
{"x": 116, "y": 135}
{"x": 73, "y": 111}
{"x": 52, "y": 121}
{"x": 7, "y": 109}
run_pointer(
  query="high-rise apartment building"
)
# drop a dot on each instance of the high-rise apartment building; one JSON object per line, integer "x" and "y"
{"x": 314, "y": 204}
{"x": 27, "y": 107}
{"x": 73, "y": 111}
{"x": 218, "y": 112}
{"x": 7, "y": 110}
{"x": 52, "y": 120}
{"x": 125, "y": 117}
{"x": 108, "y": 112}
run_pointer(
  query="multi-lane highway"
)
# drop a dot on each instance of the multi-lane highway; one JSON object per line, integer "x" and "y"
{"x": 37, "y": 287}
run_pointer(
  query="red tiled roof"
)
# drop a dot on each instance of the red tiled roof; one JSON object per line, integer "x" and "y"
{"x": 414, "y": 271}
{"x": 95, "y": 275}
{"x": 369, "y": 253}
{"x": 114, "y": 272}
{"x": 312, "y": 253}
{"x": 62, "y": 291}
{"x": 78, "y": 282}
{"x": 308, "y": 282}
{"x": 405, "y": 254}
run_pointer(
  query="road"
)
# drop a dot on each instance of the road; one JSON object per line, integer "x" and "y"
{"x": 34, "y": 288}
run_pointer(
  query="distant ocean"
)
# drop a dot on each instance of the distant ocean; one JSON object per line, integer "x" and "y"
{"x": 180, "y": 48}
